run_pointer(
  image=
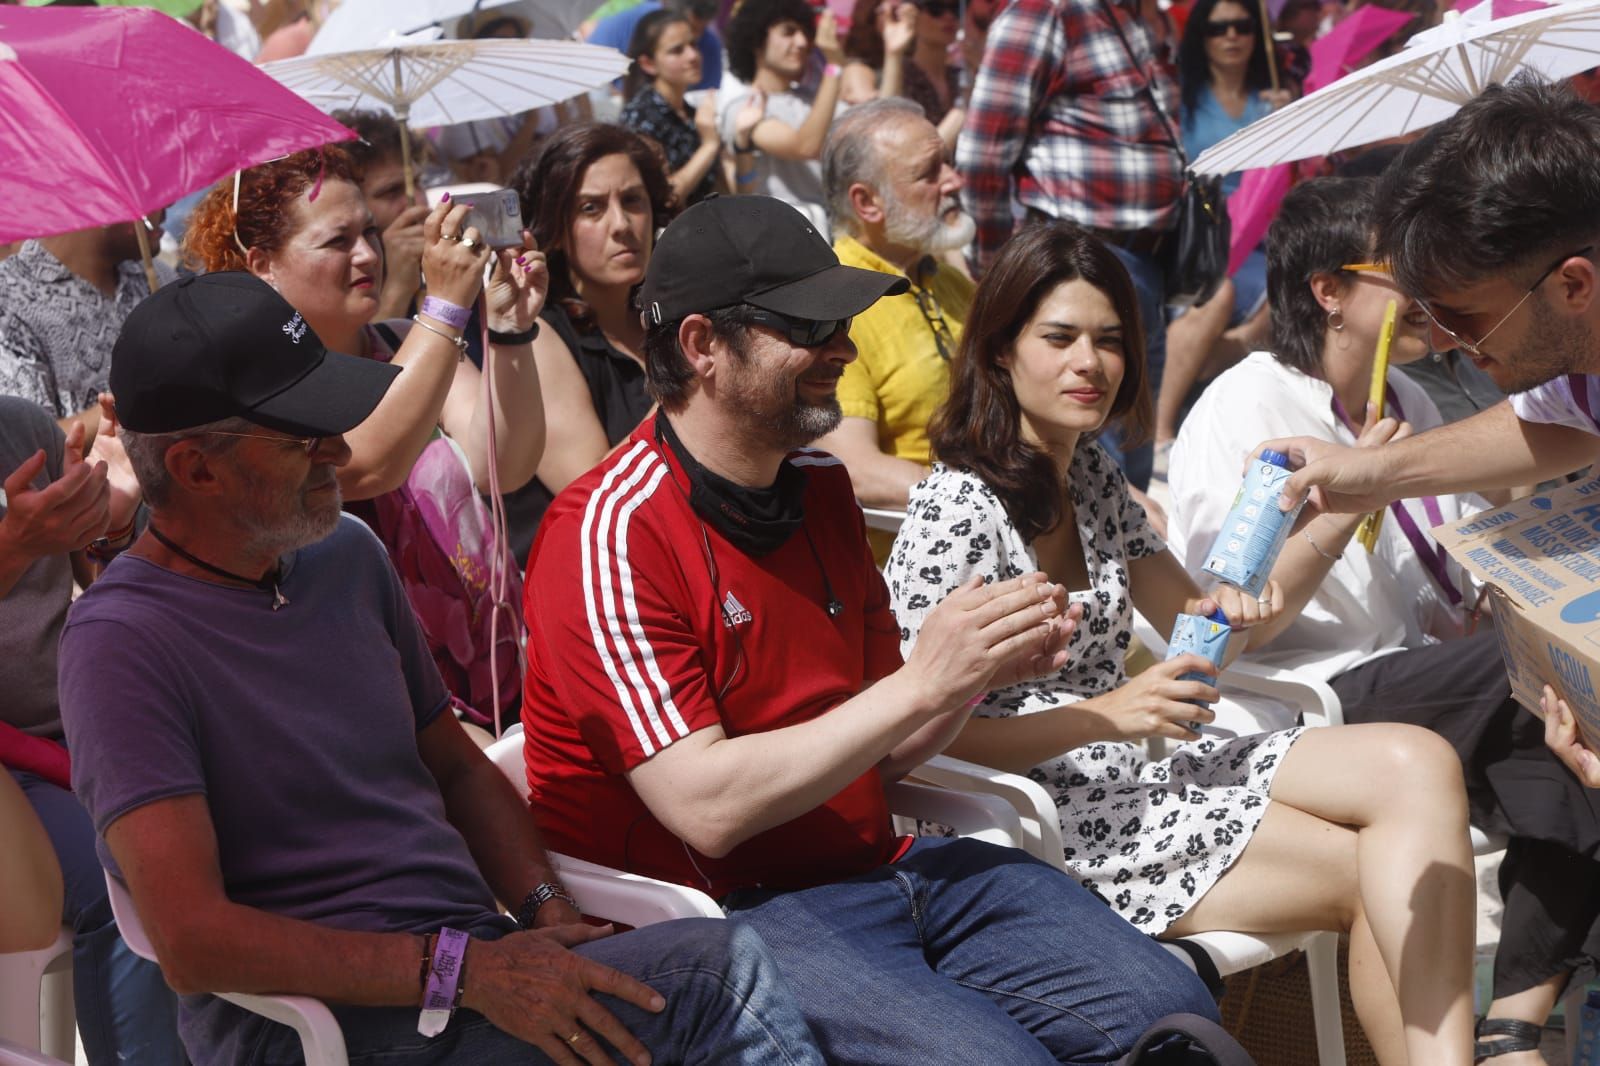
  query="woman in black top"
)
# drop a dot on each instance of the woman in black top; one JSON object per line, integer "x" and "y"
{"x": 594, "y": 196}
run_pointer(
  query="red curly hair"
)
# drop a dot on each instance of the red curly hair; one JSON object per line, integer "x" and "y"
{"x": 265, "y": 195}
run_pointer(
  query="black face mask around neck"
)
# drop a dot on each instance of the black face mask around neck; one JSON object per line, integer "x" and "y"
{"x": 756, "y": 521}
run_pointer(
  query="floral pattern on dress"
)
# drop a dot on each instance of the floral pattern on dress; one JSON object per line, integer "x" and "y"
{"x": 1149, "y": 838}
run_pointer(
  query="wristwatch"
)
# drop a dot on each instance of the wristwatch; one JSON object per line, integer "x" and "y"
{"x": 543, "y": 893}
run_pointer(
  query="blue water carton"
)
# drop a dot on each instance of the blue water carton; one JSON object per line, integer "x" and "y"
{"x": 1255, "y": 530}
{"x": 1205, "y": 635}
{"x": 1588, "y": 1052}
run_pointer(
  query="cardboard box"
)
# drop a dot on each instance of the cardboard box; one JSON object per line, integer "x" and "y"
{"x": 1540, "y": 556}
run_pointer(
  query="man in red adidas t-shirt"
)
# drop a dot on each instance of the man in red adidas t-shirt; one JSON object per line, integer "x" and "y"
{"x": 715, "y": 694}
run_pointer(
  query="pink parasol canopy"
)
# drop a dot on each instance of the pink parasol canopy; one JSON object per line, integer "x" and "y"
{"x": 108, "y": 114}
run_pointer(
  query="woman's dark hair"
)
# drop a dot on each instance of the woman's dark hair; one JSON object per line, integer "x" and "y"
{"x": 747, "y": 30}
{"x": 979, "y": 428}
{"x": 865, "y": 40}
{"x": 1321, "y": 225}
{"x": 644, "y": 42}
{"x": 549, "y": 181}
{"x": 1194, "y": 69}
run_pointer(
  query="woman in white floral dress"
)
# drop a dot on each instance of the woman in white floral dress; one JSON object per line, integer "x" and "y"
{"x": 1360, "y": 828}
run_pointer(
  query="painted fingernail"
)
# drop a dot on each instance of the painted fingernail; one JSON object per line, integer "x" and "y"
{"x": 522, "y": 260}
{"x": 445, "y": 198}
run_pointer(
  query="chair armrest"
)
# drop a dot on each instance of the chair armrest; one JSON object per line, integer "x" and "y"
{"x": 970, "y": 814}
{"x": 320, "y": 1036}
{"x": 1316, "y": 699}
{"x": 618, "y": 896}
{"x": 1035, "y": 807}
{"x": 1232, "y": 952}
{"x": 885, "y": 518}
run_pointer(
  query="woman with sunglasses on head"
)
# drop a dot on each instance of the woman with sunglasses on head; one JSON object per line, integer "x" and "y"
{"x": 1392, "y": 630}
{"x": 420, "y": 461}
{"x": 903, "y": 49}
{"x": 1286, "y": 831}
{"x": 594, "y": 196}
{"x": 1225, "y": 77}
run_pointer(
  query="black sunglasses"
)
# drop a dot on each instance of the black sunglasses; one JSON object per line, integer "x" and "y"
{"x": 1220, "y": 27}
{"x": 801, "y": 332}
{"x": 937, "y": 8}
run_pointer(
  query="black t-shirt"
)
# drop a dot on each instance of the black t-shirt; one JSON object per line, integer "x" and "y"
{"x": 617, "y": 391}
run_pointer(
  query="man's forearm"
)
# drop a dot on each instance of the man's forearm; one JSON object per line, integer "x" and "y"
{"x": 500, "y": 832}
{"x": 719, "y": 793}
{"x": 1493, "y": 449}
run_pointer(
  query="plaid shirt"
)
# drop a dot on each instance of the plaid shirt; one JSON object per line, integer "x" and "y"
{"x": 1060, "y": 111}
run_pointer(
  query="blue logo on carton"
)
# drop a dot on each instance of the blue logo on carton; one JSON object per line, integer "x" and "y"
{"x": 1542, "y": 502}
{"x": 1585, "y": 608}
{"x": 1574, "y": 675}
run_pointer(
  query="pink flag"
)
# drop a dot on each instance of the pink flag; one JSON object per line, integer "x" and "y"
{"x": 1502, "y": 8}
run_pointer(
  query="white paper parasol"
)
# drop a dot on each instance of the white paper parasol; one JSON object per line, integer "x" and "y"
{"x": 1441, "y": 69}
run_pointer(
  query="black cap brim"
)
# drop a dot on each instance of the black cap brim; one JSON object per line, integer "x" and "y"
{"x": 334, "y": 398}
{"x": 837, "y": 292}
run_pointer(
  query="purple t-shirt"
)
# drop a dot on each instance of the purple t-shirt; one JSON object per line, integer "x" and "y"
{"x": 298, "y": 726}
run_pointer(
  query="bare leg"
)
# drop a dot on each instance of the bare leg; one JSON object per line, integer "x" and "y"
{"x": 1400, "y": 789}
{"x": 1530, "y": 1005}
{"x": 1189, "y": 340}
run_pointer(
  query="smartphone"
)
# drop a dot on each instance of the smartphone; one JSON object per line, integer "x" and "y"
{"x": 496, "y": 212}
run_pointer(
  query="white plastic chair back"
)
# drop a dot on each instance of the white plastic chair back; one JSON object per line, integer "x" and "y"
{"x": 36, "y": 1006}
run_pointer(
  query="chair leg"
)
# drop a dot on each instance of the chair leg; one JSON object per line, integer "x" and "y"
{"x": 1322, "y": 966}
{"x": 58, "y": 1026}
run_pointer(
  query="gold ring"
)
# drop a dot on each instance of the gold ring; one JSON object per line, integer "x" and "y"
{"x": 449, "y": 237}
{"x": 575, "y": 1037}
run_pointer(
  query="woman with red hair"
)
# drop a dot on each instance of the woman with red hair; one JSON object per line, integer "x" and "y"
{"x": 441, "y": 435}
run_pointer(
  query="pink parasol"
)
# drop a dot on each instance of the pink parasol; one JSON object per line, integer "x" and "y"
{"x": 1254, "y": 204}
{"x": 113, "y": 113}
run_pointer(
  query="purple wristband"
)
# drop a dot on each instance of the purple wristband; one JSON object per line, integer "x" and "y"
{"x": 439, "y": 999}
{"x": 450, "y": 314}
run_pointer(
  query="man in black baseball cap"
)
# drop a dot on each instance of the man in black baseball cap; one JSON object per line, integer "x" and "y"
{"x": 271, "y": 757}
{"x": 716, "y": 693}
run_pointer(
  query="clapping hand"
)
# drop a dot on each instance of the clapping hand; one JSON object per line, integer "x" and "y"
{"x": 62, "y": 517}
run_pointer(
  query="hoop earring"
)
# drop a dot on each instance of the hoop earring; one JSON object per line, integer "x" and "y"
{"x": 1336, "y": 326}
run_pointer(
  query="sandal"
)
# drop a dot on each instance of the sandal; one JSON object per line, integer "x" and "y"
{"x": 1519, "y": 1036}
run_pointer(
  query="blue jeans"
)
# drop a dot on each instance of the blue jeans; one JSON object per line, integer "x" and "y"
{"x": 1148, "y": 281}
{"x": 967, "y": 952}
{"x": 726, "y": 1004}
{"x": 126, "y": 1012}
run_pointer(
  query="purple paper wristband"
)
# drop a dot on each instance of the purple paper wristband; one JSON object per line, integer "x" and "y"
{"x": 439, "y": 999}
{"x": 450, "y": 314}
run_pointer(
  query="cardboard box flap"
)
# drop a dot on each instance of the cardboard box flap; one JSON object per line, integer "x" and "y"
{"x": 1541, "y": 557}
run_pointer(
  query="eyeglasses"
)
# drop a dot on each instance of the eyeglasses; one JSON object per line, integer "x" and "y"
{"x": 933, "y": 314}
{"x": 1220, "y": 27}
{"x": 802, "y": 332}
{"x": 307, "y": 444}
{"x": 1472, "y": 347}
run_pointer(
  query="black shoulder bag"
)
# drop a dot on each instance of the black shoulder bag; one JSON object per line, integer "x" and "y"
{"x": 1195, "y": 253}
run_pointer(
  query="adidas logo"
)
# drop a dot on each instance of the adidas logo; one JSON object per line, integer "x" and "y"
{"x": 733, "y": 612}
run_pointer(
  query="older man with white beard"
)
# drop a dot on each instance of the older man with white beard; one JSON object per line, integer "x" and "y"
{"x": 894, "y": 203}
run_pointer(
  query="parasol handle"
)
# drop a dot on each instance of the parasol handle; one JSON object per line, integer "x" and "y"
{"x": 403, "y": 113}
{"x": 1270, "y": 44}
{"x": 144, "y": 253}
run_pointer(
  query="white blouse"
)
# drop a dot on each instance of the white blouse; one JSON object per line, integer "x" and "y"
{"x": 1369, "y": 604}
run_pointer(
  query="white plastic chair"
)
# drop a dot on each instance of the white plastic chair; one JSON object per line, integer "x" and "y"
{"x": 888, "y": 519}
{"x": 612, "y": 894}
{"x": 1230, "y": 952}
{"x": 17, "y": 1055}
{"x": 37, "y": 1014}
{"x": 319, "y": 1033}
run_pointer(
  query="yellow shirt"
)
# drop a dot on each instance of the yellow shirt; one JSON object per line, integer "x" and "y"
{"x": 899, "y": 377}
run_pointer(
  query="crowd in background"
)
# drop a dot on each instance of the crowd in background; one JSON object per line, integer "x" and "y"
{"x": 1015, "y": 168}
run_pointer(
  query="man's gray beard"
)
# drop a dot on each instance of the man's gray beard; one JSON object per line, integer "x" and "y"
{"x": 929, "y": 235}
{"x": 296, "y": 531}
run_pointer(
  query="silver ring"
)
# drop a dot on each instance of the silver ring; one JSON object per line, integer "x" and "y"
{"x": 468, "y": 242}
{"x": 1264, "y": 599}
{"x": 575, "y": 1037}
